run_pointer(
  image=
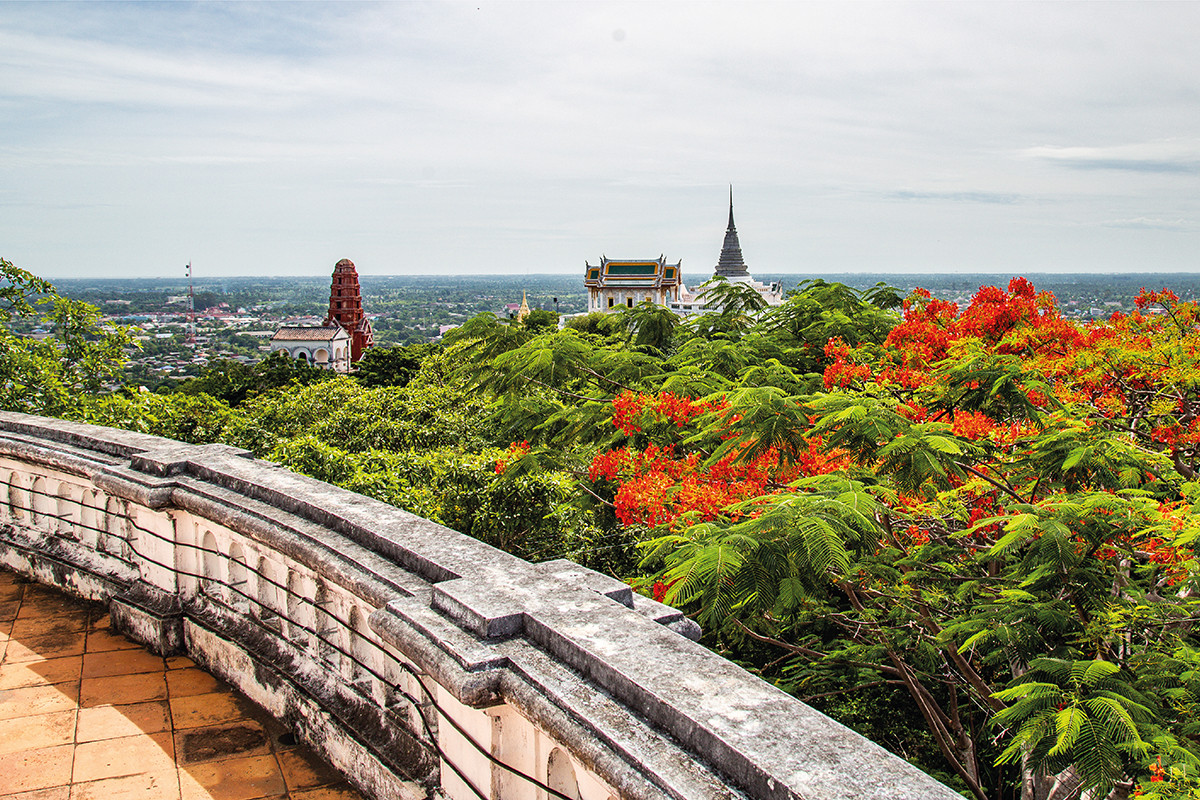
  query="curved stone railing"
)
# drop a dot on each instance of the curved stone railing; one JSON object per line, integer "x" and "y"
{"x": 417, "y": 660}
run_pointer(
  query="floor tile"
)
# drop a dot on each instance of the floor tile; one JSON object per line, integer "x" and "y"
{"x": 240, "y": 739}
{"x": 232, "y": 779}
{"x": 35, "y": 673}
{"x": 161, "y": 785}
{"x": 40, "y": 648}
{"x": 36, "y": 769}
{"x": 341, "y": 792}
{"x": 130, "y": 755}
{"x": 282, "y": 738}
{"x": 99, "y": 641}
{"x": 189, "y": 682}
{"x": 118, "y": 743}
{"x": 119, "y": 690}
{"x": 36, "y": 627}
{"x": 303, "y": 770}
{"x": 33, "y": 701}
{"x": 121, "y": 662}
{"x": 114, "y": 722}
{"x": 54, "y": 793}
{"x": 11, "y": 591}
{"x": 36, "y": 733}
{"x": 8, "y": 609}
{"x": 42, "y": 603}
{"x": 204, "y": 710}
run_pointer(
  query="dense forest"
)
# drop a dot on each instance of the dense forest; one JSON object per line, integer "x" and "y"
{"x": 966, "y": 531}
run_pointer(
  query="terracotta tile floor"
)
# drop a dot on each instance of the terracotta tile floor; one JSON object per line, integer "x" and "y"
{"x": 86, "y": 714}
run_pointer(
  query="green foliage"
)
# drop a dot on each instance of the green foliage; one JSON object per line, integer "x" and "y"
{"x": 734, "y": 299}
{"x": 597, "y": 323}
{"x": 770, "y": 419}
{"x": 43, "y": 374}
{"x": 530, "y": 516}
{"x": 314, "y": 457}
{"x": 816, "y": 312}
{"x": 858, "y": 423}
{"x": 485, "y": 336}
{"x": 1075, "y": 714}
{"x": 198, "y": 418}
{"x": 392, "y": 366}
{"x": 651, "y": 326}
{"x": 788, "y": 549}
{"x": 1180, "y": 782}
{"x": 540, "y": 320}
{"x": 235, "y": 382}
{"x": 347, "y": 415}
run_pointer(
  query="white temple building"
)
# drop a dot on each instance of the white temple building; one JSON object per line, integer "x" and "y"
{"x": 326, "y": 347}
{"x": 616, "y": 285}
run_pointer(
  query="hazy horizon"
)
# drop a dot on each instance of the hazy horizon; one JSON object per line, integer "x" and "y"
{"x": 690, "y": 278}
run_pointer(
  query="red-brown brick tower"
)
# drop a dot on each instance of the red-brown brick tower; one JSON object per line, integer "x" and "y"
{"x": 345, "y": 308}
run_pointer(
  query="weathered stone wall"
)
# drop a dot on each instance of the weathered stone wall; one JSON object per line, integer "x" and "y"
{"x": 417, "y": 660}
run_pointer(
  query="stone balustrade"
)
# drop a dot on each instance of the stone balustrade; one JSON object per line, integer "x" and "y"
{"x": 420, "y": 662}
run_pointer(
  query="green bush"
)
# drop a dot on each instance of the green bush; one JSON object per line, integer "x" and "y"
{"x": 531, "y": 516}
{"x": 197, "y": 418}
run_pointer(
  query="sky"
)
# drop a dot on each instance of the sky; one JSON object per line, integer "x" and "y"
{"x": 527, "y": 138}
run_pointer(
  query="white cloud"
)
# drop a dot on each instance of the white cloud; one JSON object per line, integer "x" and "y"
{"x": 1165, "y": 156}
{"x": 1144, "y": 223}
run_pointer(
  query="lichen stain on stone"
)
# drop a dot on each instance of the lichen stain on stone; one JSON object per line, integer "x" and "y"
{"x": 206, "y": 744}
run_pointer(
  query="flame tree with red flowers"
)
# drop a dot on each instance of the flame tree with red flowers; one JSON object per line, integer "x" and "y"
{"x": 982, "y": 518}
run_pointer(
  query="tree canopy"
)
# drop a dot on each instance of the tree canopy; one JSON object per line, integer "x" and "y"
{"x": 63, "y": 351}
{"x": 981, "y": 516}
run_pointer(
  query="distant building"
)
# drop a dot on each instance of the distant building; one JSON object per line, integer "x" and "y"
{"x": 613, "y": 285}
{"x": 346, "y": 310}
{"x": 346, "y": 332}
{"x": 732, "y": 267}
{"x": 326, "y": 347}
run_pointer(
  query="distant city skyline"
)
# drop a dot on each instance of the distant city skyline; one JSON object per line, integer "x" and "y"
{"x": 526, "y": 138}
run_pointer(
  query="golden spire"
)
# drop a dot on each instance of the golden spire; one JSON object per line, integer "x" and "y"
{"x": 524, "y": 310}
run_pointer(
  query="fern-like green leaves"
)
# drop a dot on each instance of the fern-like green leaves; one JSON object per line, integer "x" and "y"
{"x": 1084, "y": 714}
{"x": 786, "y": 549}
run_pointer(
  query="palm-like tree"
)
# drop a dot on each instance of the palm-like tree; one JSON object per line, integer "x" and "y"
{"x": 651, "y": 325}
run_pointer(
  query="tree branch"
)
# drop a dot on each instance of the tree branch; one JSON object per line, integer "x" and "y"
{"x": 811, "y": 697}
{"x": 1008, "y": 490}
{"x": 565, "y": 393}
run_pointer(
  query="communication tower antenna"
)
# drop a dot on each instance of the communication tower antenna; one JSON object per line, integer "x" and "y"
{"x": 191, "y": 337}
